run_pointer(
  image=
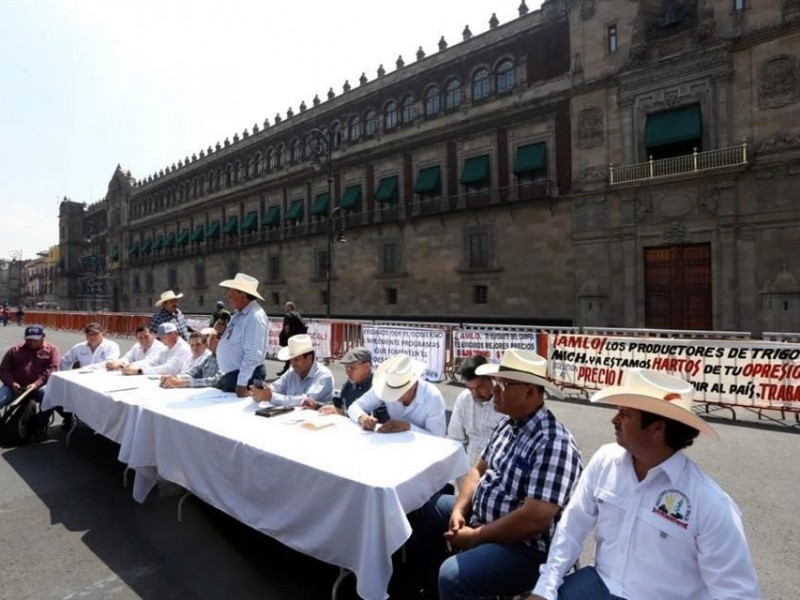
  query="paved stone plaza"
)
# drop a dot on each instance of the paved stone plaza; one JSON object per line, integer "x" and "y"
{"x": 69, "y": 530}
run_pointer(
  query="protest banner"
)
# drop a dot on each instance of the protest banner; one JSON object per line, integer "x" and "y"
{"x": 320, "y": 337}
{"x": 424, "y": 344}
{"x": 491, "y": 343}
{"x": 734, "y": 372}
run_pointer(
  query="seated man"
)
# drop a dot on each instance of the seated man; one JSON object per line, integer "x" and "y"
{"x": 206, "y": 374}
{"x": 307, "y": 383}
{"x": 474, "y": 415}
{"x": 93, "y": 353}
{"x": 28, "y": 366}
{"x": 358, "y": 366}
{"x": 663, "y": 528}
{"x": 500, "y": 525}
{"x": 146, "y": 347}
{"x": 170, "y": 361}
{"x": 198, "y": 344}
{"x": 410, "y": 402}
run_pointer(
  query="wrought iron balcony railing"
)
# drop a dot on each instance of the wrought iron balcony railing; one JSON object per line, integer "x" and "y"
{"x": 680, "y": 165}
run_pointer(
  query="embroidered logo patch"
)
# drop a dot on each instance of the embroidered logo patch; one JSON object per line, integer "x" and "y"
{"x": 674, "y": 506}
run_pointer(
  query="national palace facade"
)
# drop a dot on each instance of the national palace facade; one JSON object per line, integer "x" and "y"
{"x": 628, "y": 163}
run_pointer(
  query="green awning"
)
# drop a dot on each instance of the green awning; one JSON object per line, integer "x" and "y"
{"x": 147, "y": 247}
{"x": 199, "y": 233}
{"x": 172, "y": 240}
{"x": 295, "y": 212}
{"x": 387, "y": 190}
{"x": 183, "y": 238}
{"x": 213, "y": 230}
{"x": 320, "y": 206}
{"x": 232, "y": 226}
{"x": 531, "y": 158}
{"x": 250, "y": 222}
{"x": 671, "y": 126}
{"x": 429, "y": 181}
{"x": 159, "y": 244}
{"x": 134, "y": 249}
{"x": 114, "y": 254}
{"x": 273, "y": 216}
{"x": 351, "y": 198}
{"x": 476, "y": 170}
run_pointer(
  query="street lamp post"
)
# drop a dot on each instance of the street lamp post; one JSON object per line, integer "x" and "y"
{"x": 321, "y": 147}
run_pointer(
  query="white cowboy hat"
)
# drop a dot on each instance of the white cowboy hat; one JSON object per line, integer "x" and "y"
{"x": 298, "y": 344}
{"x": 208, "y": 331}
{"x": 243, "y": 283}
{"x": 521, "y": 365}
{"x": 167, "y": 296}
{"x": 395, "y": 376}
{"x": 658, "y": 393}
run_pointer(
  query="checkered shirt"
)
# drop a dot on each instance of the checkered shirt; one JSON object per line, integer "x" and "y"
{"x": 164, "y": 316}
{"x": 533, "y": 458}
{"x": 205, "y": 374}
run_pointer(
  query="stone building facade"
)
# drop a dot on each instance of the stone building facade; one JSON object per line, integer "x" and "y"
{"x": 629, "y": 163}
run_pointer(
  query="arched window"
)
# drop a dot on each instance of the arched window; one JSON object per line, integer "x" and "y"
{"x": 453, "y": 94}
{"x": 228, "y": 176}
{"x": 505, "y": 78}
{"x": 480, "y": 84}
{"x": 370, "y": 122}
{"x": 355, "y": 128}
{"x": 336, "y": 135}
{"x": 307, "y": 146}
{"x": 297, "y": 151}
{"x": 257, "y": 165}
{"x": 279, "y": 155}
{"x": 390, "y": 116}
{"x": 408, "y": 109}
{"x": 433, "y": 101}
{"x": 270, "y": 159}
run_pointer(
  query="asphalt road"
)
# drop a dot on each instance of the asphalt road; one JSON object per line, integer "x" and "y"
{"x": 69, "y": 530}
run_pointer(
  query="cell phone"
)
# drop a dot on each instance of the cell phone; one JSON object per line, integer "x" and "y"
{"x": 382, "y": 414}
{"x": 272, "y": 411}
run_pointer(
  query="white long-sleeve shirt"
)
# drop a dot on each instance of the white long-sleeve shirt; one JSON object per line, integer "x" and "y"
{"x": 171, "y": 361}
{"x": 674, "y": 535}
{"x": 137, "y": 353}
{"x": 472, "y": 423}
{"x": 88, "y": 358}
{"x": 426, "y": 413}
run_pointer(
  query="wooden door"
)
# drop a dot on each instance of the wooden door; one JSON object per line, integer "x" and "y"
{"x": 678, "y": 287}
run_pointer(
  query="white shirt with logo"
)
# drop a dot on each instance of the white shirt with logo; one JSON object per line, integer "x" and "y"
{"x": 81, "y": 353}
{"x": 170, "y": 361}
{"x": 673, "y": 536}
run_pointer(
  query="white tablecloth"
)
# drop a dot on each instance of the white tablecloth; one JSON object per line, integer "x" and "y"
{"x": 338, "y": 494}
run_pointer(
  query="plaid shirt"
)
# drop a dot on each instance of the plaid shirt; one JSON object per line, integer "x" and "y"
{"x": 206, "y": 374}
{"x": 164, "y": 316}
{"x": 533, "y": 458}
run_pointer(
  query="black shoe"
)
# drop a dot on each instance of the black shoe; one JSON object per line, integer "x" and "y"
{"x": 66, "y": 423}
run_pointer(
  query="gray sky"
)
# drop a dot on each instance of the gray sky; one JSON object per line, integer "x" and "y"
{"x": 85, "y": 85}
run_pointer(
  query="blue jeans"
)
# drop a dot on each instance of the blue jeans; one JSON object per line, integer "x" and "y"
{"x": 585, "y": 584}
{"x": 486, "y": 571}
{"x": 228, "y": 383}
{"x": 7, "y": 395}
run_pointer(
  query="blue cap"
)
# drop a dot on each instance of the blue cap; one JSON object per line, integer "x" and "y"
{"x": 34, "y": 332}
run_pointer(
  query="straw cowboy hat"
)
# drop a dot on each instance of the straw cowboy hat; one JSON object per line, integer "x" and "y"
{"x": 243, "y": 283}
{"x": 658, "y": 393}
{"x": 521, "y": 365}
{"x": 298, "y": 344}
{"x": 167, "y": 296}
{"x": 395, "y": 376}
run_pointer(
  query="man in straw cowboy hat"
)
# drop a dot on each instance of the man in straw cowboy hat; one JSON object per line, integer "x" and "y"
{"x": 664, "y": 529}
{"x": 500, "y": 525}
{"x": 307, "y": 383}
{"x": 170, "y": 313}
{"x": 243, "y": 339}
{"x": 411, "y": 403}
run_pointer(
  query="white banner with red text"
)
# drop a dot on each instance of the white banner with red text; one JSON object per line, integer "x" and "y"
{"x": 744, "y": 373}
{"x": 320, "y": 336}
{"x": 425, "y": 344}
